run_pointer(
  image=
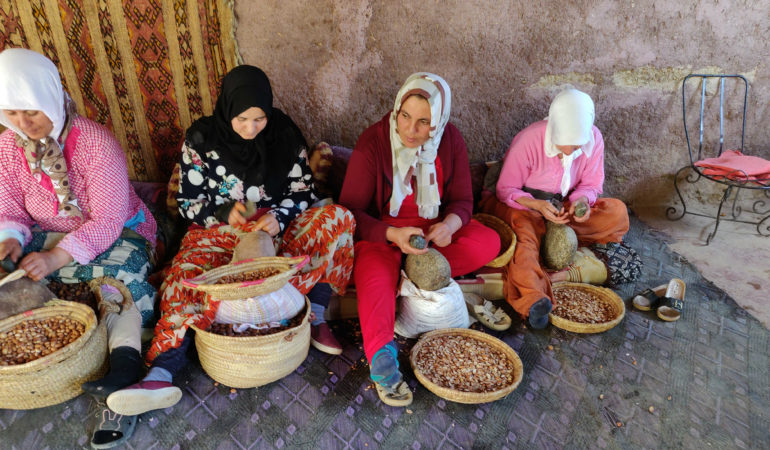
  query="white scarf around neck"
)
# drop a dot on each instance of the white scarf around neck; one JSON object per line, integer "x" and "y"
{"x": 419, "y": 162}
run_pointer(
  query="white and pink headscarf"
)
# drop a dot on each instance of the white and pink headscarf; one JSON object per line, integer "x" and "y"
{"x": 419, "y": 162}
{"x": 30, "y": 82}
{"x": 570, "y": 122}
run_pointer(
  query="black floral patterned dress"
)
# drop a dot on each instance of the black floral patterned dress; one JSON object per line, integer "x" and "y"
{"x": 206, "y": 185}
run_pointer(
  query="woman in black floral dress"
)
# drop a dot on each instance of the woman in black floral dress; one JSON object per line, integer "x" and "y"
{"x": 244, "y": 168}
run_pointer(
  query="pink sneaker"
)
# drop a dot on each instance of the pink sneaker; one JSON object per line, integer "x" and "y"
{"x": 321, "y": 337}
{"x": 144, "y": 396}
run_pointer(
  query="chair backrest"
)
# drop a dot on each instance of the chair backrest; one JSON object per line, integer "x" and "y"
{"x": 715, "y": 106}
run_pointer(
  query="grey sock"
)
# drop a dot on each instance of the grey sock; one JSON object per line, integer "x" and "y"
{"x": 319, "y": 311}
{"x": 159, "y": 374}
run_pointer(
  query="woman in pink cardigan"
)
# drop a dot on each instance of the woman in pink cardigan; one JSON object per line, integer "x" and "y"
{"x": 560, "y": 158}
{"x": 408, "y": 175}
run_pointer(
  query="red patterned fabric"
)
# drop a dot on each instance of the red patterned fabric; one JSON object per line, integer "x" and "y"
{"x": 149, "y": 48}
{"x": 94, "y": 103}
{"x": 325, "y": 234}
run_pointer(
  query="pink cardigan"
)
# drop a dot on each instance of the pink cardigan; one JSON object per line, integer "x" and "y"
{"x": 97, "y": 172}
{"x": 369, "y": 179}
{"x": 527, "y": 165}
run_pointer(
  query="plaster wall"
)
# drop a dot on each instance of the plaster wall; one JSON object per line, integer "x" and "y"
{"x": 337, "y": 65}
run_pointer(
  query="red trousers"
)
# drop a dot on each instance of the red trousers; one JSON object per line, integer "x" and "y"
{"x": 525, "y": 279}
{"x": 377, "y": 271}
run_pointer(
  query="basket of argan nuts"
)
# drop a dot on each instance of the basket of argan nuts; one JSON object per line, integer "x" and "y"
{"x": 466, "y": 366}
{"x": 248, "y": 278}
{"x": 584, "y": 308}
{"x": 253, "y": 358}
{"x": 47, "y": 353}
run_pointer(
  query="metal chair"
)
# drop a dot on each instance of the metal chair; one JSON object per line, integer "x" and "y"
{"x": 732, "y": 181}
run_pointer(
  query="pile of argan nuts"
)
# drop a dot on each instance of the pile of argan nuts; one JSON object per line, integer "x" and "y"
{"x": 253, "y": 275}
{"x": 74, "y": 292}
{"x": 33, "y": 339}
{"x": 581, "y": 306}
{"x": 226, "y": 329}
{"x": 464, "y": 364}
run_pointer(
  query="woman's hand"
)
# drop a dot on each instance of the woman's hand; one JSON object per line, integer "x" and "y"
{"x": 41, "y": 264}
{"x": 236, "y": 218}
{"x": 10, "y": 247}
{"x": 574, "y": 205}
{"x": 268, "y": 223}
{"x": 545, "y": 208}
{"x": 441, "y": 233}
{"x": 550, "y": 212}
{"x": 400, "y": 236}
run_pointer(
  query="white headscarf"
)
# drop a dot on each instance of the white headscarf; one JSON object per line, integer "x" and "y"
{"x": 570, "y": 122}
{"x": 419, "y": 162}
{"x": 30, "y": 82}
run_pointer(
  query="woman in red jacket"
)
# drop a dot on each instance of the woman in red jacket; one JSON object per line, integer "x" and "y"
{"x": 408, "y": 175}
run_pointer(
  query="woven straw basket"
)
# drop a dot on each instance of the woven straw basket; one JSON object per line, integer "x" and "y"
{"x": 207, "y": 281}
{"x": 106, "y": 307}
{"x": 251, "y": 361}
{"x": 507, "y": 238}
{"x": 605, "y": 295}
{"x": 468, "y": 397}
{"x": 57, "y": 377}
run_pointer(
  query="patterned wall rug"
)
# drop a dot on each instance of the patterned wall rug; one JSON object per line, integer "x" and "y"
{"x": 144, "y": 68}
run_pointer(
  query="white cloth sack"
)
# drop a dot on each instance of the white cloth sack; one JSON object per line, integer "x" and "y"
{"x": 283, "y": 303}
{"x": 423, "y": 310}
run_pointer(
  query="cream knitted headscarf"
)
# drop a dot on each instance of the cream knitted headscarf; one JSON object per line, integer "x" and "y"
{"x": 419, "y": 162}
{"x": 570, "y": 122}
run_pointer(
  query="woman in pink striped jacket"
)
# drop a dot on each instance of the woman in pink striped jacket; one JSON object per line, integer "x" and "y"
{"x": 68, "y": 213}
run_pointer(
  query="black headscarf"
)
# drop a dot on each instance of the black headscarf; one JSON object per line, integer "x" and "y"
{"x": 266, "y": 159}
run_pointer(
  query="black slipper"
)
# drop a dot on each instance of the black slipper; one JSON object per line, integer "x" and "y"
{"x": 670, "y": 309}
{"x": 110, "y": 429}
{"x": 672, "y": 302}
{"x": 649, "y": 299}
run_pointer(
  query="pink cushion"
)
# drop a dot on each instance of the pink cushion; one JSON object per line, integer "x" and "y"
{"x": 737, "y": 166}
